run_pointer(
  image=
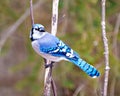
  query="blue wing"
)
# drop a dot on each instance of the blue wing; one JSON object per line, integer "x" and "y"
{"x": 55, "y": 47}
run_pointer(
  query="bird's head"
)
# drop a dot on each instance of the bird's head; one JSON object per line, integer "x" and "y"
{"x": 36, "y": 31}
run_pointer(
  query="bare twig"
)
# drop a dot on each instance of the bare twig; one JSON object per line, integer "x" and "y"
{"x": 115, "y": 51}
{"x": 48, "y": 71}
{"x": 78, "y": 89}
{"x": 65, "y": 23}
{"x": 54, "y": 87}
{"x": 116, "y": 30}
{"x": 106, "y": 51}
{"x": 54, "y": 17}
{"x": 31, "y": 12}
{"x": 10, "y": 30}
{"x": 54, "y": 31}
{"x": 112, "y": 88}
{"x": 47, "y": 80}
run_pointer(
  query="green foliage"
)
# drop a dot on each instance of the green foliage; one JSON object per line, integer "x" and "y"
{"x": 61, "y": 4}
{"x": 68, "y": 84}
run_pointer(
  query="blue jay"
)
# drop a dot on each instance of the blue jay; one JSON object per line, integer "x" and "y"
{"x": 53, "y": 49}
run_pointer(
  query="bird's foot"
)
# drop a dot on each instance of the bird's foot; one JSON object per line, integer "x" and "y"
{"x": 49, "y": 65}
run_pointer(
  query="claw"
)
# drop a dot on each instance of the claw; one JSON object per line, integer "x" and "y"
{"x": 49, "y": 65}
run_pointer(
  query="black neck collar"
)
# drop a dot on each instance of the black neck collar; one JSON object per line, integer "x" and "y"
{"x": 32, "y": 39}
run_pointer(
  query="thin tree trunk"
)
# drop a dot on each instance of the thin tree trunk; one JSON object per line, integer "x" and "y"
{"x": 47, "y": 80}
{"x": 48, "y": 71}
{"x": 106, "y": 51}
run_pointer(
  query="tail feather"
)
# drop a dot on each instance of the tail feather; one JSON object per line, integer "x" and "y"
{"x": 87, "y": 68}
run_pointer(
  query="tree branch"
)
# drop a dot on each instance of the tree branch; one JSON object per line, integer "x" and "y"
{"x": 10, "y": 30}
{"x": 112, "y": 87}
{"x": 77, "y": 91}
{"x": 116, "y": 30}
{"x": 54, "y": 87}
{"x": 54, "y": 17}
{"x": 47, "y": 80}
{"x": 48, "y": 71}
{"x": 31, "y": 12}
{"x": 106, "y": 51}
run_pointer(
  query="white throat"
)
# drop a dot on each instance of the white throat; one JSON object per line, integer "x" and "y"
{"x": 36, "y": 34}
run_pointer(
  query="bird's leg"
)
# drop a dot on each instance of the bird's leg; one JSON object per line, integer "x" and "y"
{"x": 48, "y": 65}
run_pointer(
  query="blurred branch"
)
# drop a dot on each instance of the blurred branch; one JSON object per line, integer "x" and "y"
{"x": 48, "y": 81}
{"x": 65, "y": 23}
{"x": 116, "y": 30}
{"x": 10, "y": 30}
{"x": 115, "y": 51}
{"x": 31, "y": 12}
{"x": 112, "y": 87}
{"x": 106, "y": 50}
{"x": 78, "y": 89}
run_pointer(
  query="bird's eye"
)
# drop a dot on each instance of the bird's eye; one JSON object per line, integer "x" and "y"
{"x": 36, "y": 28}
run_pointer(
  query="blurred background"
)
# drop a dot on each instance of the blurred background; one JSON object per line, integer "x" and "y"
{"x": 79, "y": 25}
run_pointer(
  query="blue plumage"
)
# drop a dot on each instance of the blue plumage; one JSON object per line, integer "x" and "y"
{"x": 50, "y": 47}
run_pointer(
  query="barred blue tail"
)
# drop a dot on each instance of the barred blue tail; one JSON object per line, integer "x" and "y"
{"x": 87, "y": 68}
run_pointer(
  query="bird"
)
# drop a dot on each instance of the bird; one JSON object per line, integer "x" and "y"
{"x": 52, "y": 48}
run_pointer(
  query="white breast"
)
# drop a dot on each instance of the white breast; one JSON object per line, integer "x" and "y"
{"x": 36, "y": 45}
